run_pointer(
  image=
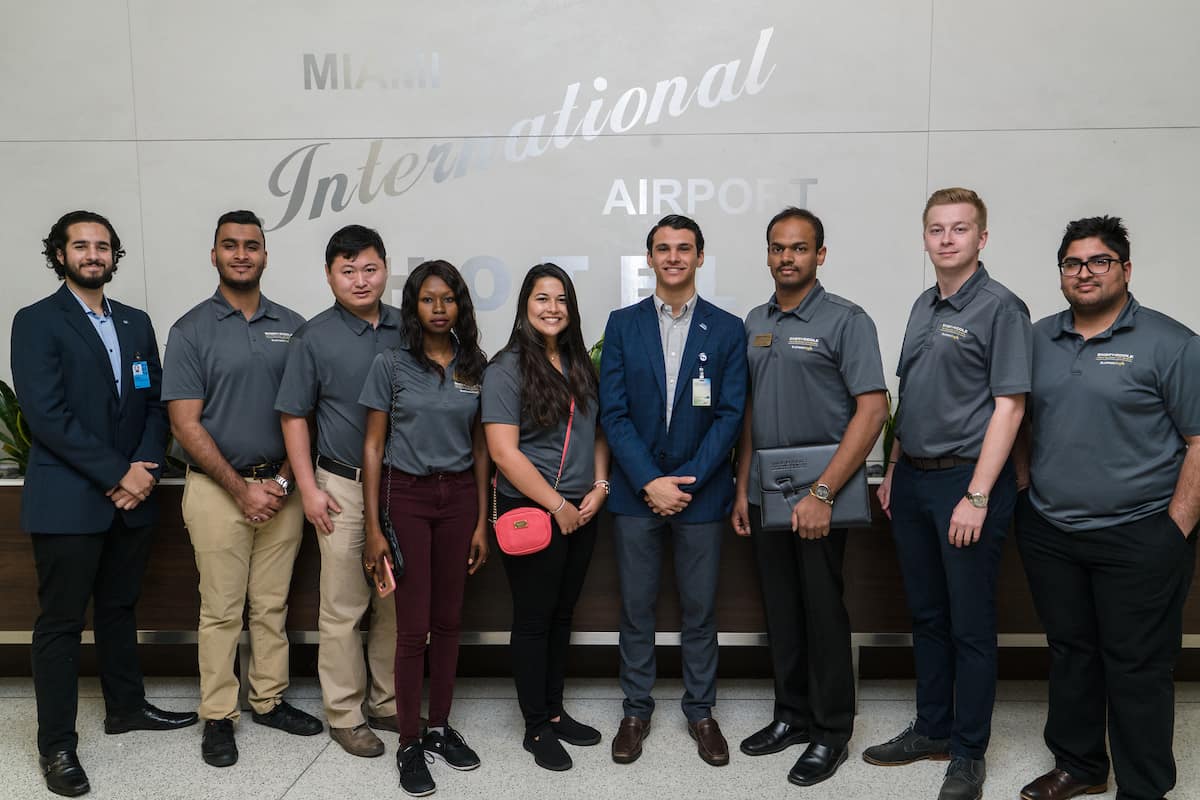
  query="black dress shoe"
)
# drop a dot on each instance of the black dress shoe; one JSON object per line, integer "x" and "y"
{"x": 817, "y": 763}
{"x": 775, "y": 738}
{"x": 218, "y": 748}
{"x": 286, "y": 717}
{"x": 149, "y": 718}
{"x": 64, "y": 774}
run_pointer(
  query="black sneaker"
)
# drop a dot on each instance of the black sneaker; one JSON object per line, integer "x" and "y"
{"x": 572, "y": 731}
{"x": 906, "y": 748}
{"x": 217, "y": 746}
{"x": 286, "y": 717}
{"x": 964, "y": 779}
{"x": 548, "y": 752}
{"x": 415, "y": 780}
{"x": 451, "y": 748}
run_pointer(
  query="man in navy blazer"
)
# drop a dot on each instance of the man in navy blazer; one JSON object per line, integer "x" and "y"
{"x": 672, "y": 393}
{"x": 86, "y": 373}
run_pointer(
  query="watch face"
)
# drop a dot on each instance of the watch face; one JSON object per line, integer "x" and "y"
{"x": 977, "y": 500}
{"x": 821, "y": 491}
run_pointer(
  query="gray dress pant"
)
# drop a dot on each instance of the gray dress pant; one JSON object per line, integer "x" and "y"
{"x": 640, "y": 542}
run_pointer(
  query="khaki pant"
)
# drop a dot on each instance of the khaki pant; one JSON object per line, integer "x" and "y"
{"x": 345, "y": 596}
{"x": 240, "y": 561}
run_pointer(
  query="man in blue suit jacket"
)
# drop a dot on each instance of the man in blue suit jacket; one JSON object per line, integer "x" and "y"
{"x": 86, "y": 373}
{"x": 672, "y": 393}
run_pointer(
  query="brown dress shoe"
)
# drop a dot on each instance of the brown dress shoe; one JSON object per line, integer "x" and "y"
{"x": 1058, "y": 784}
{"x": 627, "y": 744}
{"x": 709, "y": 742}
{"x": 358, "y": 741}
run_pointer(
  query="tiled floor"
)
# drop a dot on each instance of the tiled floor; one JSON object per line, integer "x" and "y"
{"x": 276, "y": 766}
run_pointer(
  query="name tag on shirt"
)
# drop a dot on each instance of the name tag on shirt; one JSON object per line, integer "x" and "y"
{"x": 762, "y": 340}
{"x": 141, "y": 375}
{"x": 701, "y": 392}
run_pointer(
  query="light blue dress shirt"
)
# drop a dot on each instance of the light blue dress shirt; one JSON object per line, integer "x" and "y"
{"x": 106, "y": 327}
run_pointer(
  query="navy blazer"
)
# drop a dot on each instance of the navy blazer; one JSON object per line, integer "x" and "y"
{"x": 633, "y": 408}
{"x": 84, "y": 434}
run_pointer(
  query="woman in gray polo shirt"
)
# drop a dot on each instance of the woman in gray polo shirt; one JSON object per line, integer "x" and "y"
{"x": 527, "y": 394}
{"x": 423, "y": 425}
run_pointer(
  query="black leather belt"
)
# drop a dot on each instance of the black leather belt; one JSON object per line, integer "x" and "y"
{"x": 944, "y": 462}
{"x": 269, "y": 470}
{"x": 338, "y": 468}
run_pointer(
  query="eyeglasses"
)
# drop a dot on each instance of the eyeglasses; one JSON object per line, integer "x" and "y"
{"x": 1096, "y": 265}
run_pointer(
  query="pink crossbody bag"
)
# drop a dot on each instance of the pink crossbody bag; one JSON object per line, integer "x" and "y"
{"x": 527, "y": 530}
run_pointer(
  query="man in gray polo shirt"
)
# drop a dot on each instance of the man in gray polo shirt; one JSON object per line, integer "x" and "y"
{"x": 950, "y": 488}
{"x": 221, "y": 373}
{"x": 1106, "y": 531}
{"x": 328, "y": 361}
{"x": 806, "y": 343}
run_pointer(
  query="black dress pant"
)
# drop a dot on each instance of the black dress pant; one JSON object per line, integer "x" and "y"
{"x": 1111, "y": 601}
{"x": 545, "y": 587}
{"x": 808, "y": 628}
{"x": 73, "y": 569}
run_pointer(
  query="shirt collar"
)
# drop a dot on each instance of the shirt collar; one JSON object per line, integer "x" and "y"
{"x": 1064, "y": 321}
{"x": 687, "y": 307}
{"x": 265, "y": 307}
{"x": 90, "y": 313}
{"x": 807, "y": 306}
{"x": 966, "y": 293}
{"x": 389, "y": 317}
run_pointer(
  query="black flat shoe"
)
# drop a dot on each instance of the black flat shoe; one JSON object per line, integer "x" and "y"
{"x": 572, "y": 731}
{"x": 775, "y": 738}
{"x": 218, "y": 747}
{"x": 289, "y": 719}
{"x": 64, "y": 774}
{"x": 149, "y": 718}
{"x": 817, "y": 763}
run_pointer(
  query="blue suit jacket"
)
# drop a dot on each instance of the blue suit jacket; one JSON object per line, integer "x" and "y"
{"x": 84, "y": 434}
{"x": 633, "y": 407}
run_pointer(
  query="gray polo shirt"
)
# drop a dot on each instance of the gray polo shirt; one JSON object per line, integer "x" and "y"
{"x": 327, "y": 364}
{"x": 542, "y": 446}
{"x": 1109, "y": 415}
{"x": 214, "y": 354}
{"x": 958, "y": 354}
{"x": 806, "y": 367}
{"x": 674, "y": 333}
{"x": 431, "y": 430}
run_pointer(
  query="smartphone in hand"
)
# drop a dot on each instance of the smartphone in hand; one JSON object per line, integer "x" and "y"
{"x": 385, "y": 583}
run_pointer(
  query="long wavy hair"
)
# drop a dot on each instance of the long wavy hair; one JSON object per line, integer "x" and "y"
{"x": 471, "y": 359}
{"x": 545, "y": 392}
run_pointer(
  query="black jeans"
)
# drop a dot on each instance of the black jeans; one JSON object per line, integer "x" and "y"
{"x": 809, "y": 629}
{"x": 951, "y": 594}
{"x": 1111, "y": 601}
{"x": 73, "y": 569}
{"x": 545, "y": 587}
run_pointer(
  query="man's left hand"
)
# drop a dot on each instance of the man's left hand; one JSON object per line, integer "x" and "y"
{"x": 966, "y": 523}
{"x": 810, "y": 518}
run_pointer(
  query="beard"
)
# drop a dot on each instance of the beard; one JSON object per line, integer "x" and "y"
{"x": 87, "y": 281}
{"x": 241, "y": 284}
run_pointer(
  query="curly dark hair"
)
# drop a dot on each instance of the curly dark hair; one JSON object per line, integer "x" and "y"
{"x": 546, "y": 394}
{"x": 471, "y": 359}
{"x": 56, "y": 240}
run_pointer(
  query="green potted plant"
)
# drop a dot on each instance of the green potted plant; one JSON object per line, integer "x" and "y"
{"x": 15, "y": 439}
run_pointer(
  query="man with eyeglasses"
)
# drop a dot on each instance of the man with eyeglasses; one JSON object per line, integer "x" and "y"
{"x": 950, "y": 488}
{"x": 1106, "y": 528}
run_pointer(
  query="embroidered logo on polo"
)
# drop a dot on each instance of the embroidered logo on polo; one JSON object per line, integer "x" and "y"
{"x": 808, "y": 343}
{"x": 278, "y": 336}
{"x": 1114, "y": 359}
{"x": 466, "y": 388}
{"x": 955, "y": 332}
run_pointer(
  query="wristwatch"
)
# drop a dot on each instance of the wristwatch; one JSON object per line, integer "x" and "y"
{"x": 977, "y": 499}
{"x": 822, "y": 492}
{"x": 284, "y": 484}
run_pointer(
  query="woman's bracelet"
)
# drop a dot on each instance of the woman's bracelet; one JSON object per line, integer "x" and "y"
{"x": 562, "y": 504}
{"x": 603, "y": 484}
